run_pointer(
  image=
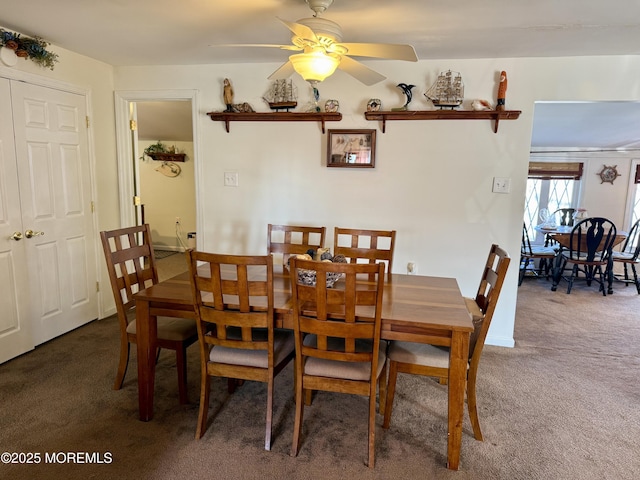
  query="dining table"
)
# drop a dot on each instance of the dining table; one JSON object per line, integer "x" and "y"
{"x": 562, "y": 235}
{"x": 424, "y": 309}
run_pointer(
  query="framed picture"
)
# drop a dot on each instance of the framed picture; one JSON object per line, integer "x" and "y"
{"x": 351, "y": 148}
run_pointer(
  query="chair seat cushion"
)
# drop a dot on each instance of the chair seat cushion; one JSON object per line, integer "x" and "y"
{"x": 283, "y": 345}
{"x": 474, "y": 310}
{"x": 542, "y": 250}
{"x": 360, "y": 371}
{"x": 169, "y": 328}
{"x": 419, "y": 354}
{"x": 623, "y": 256}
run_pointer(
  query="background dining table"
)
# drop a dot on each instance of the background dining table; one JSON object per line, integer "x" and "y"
{"x": 415, "y": 308}
{"x": 562, "y": 235}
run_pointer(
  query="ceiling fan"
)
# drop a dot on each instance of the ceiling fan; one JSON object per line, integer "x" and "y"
{"x": 320, "y": 41}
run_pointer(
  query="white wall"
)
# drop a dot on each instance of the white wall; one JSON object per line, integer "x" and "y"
{"x": 432, "y": 181}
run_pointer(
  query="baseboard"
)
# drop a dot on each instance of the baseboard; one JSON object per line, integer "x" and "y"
{"x": 500, "y": 341}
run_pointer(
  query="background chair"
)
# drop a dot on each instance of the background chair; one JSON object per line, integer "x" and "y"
{"x": 589, "y": 252}
{"x": 337, "y": 333}
{"x": 530, "y": 253}
{"x": 562, "y": 217}
{"x": 132, "y": 268}
{"x": 287, "y": 240}
{"x": 433, "y": 361}
{"x": 628, "y": 256}
{"x": 370, "y": 245}
{"x": 233, "y": 299}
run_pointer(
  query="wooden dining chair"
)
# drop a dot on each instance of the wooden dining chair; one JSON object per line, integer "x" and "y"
{"x": 372, "y": 246}
{"x": 433, "y": 361}
{"x": 529, "y": 254}
{"x": 628, "y": 255}
{"x": 590, "y": 244}
{"x": 288, "y": 240}
{"x": 233, "y": 300}
{"x": 337, "y": 334}
{"x": 132, "y": 268}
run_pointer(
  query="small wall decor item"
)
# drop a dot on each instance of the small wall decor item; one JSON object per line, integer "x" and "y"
{"x": 448, "y": 91}
{"x": 34, "y": 49}
{"x": 374, "y": 105}
{"x": 480, "y": 105}
{"x": 331, "y": 106}
{"x": 502, "y": 91}
{"x": 282, "y": 95}
{"x": 406, "y": 89}
{"x": 351, "y": 148}
{"x": 608, "y": 174}
{"x": 227, "y": 94}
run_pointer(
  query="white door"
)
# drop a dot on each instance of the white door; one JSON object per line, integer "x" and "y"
{"x": 55, "y": 198}
{"x": 15, "y": 327}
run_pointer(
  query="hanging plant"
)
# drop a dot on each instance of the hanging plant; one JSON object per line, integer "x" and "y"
{"x": 29, "y": 48}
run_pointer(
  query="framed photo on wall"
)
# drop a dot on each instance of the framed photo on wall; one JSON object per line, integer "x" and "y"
{"x": 351, "y": 148}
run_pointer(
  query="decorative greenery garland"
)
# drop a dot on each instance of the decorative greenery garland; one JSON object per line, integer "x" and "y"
{"x": 26, "y": 47}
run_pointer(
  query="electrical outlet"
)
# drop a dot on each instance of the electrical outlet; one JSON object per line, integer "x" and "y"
{"x": 412, "y": 268}
{"x": 230, "y": 179}
{"x": 501, "y": 185}
{"x": 177, "y": 220}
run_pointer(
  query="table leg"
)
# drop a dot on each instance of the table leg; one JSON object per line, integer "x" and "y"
{"x": 458, "y": 360}
{"x": 557, "y": 272}
{"x": 146, "y": 335}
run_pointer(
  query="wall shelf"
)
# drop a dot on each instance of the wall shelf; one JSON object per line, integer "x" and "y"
{"x": 495, "y": 115}
{"x": 321, "y": 117}
{"x": 168, "y": 157}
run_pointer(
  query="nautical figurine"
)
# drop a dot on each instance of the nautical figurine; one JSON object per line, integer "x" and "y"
{"x": 502, "y": 91}
{"x": 406, "y": 89}
{"x": 227, "y": 93}
{"x": 480, "y": 104}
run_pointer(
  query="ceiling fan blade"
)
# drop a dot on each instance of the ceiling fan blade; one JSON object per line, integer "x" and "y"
{"x": 391, "y": 51}
{"x": 359, "y": 71}
{"x": 251, "y": 45}
{"x": 300, "y": 30}
{"x": 284, "y": 71}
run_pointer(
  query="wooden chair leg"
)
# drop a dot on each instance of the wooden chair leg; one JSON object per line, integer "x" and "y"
{"x": 125, "y": 346}
{"x": 181, "y": 365}
{"x": 391, "y": 391}
{"x": 297, "y": 427}
{"x": 382, "y": 386}
{"x": 372, "y": 426}
{"x": 204, "y": 403}
{"x": 267, "y": 435}
{"x": 473, "y": 407}
{"x": 308, "y": 395}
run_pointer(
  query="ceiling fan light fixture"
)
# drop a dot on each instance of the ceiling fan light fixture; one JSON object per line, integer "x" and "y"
{"x": 314, "y": 66}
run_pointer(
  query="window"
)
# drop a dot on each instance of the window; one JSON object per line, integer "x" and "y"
{"x": 551, "y": 186}
{"x": 635, "y": 196}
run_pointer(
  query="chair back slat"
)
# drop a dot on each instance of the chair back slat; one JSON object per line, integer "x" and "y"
{"x": 370, "y": 245}
{"x": 233, "y": 299}
{"x": 288, "y": 240}
{"x": 493, "y": 276}
{"x": 591, "y": 240}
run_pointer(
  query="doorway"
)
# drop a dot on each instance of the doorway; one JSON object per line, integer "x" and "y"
{"x": 164, "y": 193}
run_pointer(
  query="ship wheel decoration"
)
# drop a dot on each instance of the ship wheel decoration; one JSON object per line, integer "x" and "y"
{"x": 608, "y": 174}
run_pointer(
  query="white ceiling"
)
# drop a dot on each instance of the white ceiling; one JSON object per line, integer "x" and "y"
{"x": 169, "y": 32}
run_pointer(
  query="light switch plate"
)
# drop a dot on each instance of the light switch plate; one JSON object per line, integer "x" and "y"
{"x": 230, "y": 179}
{"x": 501, "y": 185}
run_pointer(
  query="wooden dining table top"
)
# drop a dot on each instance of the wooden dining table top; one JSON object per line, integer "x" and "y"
{"x": 562, "y": 234}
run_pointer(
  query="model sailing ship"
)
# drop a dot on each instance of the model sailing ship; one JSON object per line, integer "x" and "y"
{"x": 448, "y": 91}
{"x": 282, "y": 95}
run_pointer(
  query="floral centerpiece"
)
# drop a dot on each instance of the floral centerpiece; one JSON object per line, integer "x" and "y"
{"x": 29, "y": 48}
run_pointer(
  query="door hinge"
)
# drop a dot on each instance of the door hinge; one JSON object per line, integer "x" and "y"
{"x": 93, "y": 207}
{"x": 97, "y": 286}
{"x": 88, "y": 121}
{"x": 133, "y": 125}
{"x": 136, "y": 201}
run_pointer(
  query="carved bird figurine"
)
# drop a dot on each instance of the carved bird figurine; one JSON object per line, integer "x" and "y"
{"x": 406, "y": 89}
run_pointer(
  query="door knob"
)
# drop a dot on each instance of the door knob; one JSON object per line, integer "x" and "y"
{"x": 17, "y": 236}
{"x": 31, "y": 233}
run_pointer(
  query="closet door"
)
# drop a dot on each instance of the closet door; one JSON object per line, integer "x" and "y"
{"x": 15, "y": 332}
{"x": 55, "y": 193}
